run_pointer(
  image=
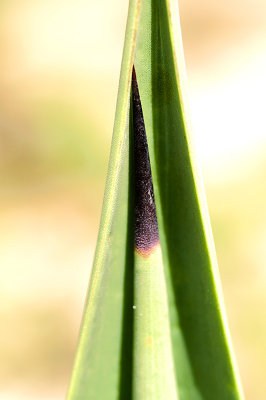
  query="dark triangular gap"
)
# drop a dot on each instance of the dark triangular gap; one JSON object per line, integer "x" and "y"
{"x": 146, "y": 225}
{"x": 142, "y": 229}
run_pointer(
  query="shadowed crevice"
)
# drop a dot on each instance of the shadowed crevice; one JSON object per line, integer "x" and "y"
{"x": 142, "y": 229}
{"x": 126, "y": 361}
{"x": 146, "y": 226}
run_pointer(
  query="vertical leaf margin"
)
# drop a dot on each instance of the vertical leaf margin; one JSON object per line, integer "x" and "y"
{"x": 98, "y": 371}
{"x": 202, "y": 350}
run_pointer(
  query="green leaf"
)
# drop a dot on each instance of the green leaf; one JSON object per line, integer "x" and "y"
{"x": 106, "y": 334}
{"x": 154, "y": 324}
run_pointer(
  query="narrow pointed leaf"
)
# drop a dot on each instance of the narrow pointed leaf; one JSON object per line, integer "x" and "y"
{"x": 154, "y": 324}
{"x": 201, "y": 346}
{"x": 102, "y": 367}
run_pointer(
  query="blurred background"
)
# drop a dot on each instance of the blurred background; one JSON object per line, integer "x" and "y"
{"x": 59, "y": 71}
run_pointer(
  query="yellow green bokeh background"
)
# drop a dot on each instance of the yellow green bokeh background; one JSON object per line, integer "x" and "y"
{"x": 59, "y": 71}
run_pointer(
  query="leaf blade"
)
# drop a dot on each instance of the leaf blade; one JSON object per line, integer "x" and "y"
{"x": 199, "y": 330}
{"x": 110, "y": 357}
{"x": 98, "y": 358}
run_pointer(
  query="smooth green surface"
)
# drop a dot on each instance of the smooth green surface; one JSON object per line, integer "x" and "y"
{"x": 102, "y": 367}
{"x": 153, "y": 366}
{"x": 191, "y": 339}
{"x": 203, "y": 362}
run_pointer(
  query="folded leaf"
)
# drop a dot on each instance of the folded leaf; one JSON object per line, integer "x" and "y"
{"x": 154, "y": 324}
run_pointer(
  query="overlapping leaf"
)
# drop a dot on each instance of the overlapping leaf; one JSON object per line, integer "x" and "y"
{"x": 154, "y": 328}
